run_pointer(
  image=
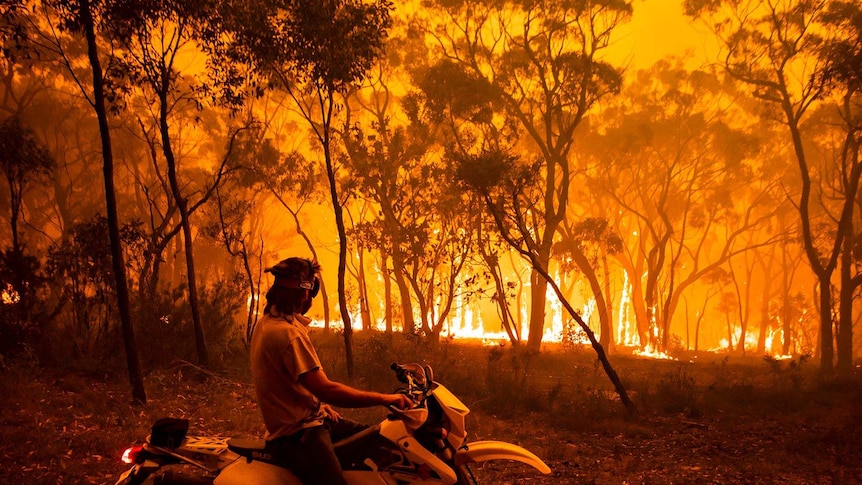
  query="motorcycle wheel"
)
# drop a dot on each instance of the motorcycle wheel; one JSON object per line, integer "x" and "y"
{"x": 465, "y": 476}
{"x": 179, "y": 475}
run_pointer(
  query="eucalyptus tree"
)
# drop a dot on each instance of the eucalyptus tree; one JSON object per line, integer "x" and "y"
{"x": 23, "y": 160}
{"x": 158, "y": 39}
{"x": 422, "y": 219}
{"x": 543, "y": 62}
{"x": 585, "y": 246}
{"x": 314, "y": 51}
{"x": 459, "y": 108}
{"x": 290, "y": 178}
{"x": 774, "y": 48}
{"x": 843, "y": 55}
{"x": 421, "y": 224}
{"x": 502, "y": 181}
{"x": 77, "y": 23}
{"x": 685, "y": 182}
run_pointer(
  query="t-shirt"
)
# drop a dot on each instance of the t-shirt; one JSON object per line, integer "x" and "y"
{"x": 281, "y": 351}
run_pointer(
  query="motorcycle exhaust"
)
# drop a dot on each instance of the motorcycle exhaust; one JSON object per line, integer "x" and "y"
{"x": 170, "y": 477}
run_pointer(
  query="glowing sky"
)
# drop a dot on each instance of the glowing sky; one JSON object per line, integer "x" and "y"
{"x": 657, "y": 30}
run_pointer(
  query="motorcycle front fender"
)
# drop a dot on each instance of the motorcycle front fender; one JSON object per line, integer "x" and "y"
{"x": 482, "y": 451}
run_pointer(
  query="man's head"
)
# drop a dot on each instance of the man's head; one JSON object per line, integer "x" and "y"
{"x": 296, "y": 284}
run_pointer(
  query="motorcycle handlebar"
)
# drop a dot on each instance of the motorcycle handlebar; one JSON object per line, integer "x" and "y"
{"x": 416, "y": 379}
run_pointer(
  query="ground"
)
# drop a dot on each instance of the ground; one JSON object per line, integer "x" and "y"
{"x": 71, "y": 426}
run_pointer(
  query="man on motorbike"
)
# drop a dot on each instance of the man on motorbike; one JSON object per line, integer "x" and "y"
{"x": 293, "y": 391}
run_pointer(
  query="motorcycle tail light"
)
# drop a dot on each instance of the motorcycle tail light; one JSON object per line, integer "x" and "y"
{"x": 131, "y": 454}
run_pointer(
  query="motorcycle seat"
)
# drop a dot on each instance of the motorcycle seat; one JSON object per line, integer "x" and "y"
{"x": 249, "y": 448}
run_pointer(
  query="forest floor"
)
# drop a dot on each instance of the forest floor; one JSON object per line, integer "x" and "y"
{"x": 701, "y": 420}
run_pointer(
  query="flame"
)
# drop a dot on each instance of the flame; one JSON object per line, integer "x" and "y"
{"x": 9, "y": 296}
{"x": 750, "y": 340}
{"x": 466, "y": 322}
{"x": 627, "y": 333}
{"x": 652, "y": 353}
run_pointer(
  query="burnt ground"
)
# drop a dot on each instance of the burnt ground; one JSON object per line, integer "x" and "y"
{"x": 65, "y": 426}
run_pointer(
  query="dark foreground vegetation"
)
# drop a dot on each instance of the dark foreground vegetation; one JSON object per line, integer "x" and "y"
{"x": 702, "y": 419}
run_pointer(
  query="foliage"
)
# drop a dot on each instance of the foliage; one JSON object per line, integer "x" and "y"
{"x": 844, "y": 54}
{"x": 82, "y": 268}
{"x": 164, "y": 327}
{"x": 21, "y": 311}
{"x": 465, "y": 94}
{"x": 23, "y": 160}
{"x": 593, "y": 236}
{"x": 329, "y": 44}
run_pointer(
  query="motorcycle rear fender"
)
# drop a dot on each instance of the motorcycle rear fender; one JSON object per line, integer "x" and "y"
{"x": 138, "y": 473}
{"x": 482, "y": 451}
{"x": 244, "y": 472}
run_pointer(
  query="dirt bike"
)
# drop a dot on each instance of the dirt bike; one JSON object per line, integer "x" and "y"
{"x": 423, "y": 445}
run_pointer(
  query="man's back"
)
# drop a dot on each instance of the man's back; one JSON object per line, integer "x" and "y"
{"x": 280, "y": 352}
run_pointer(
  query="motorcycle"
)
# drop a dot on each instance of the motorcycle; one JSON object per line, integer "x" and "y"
{"x": 424, "y": 445}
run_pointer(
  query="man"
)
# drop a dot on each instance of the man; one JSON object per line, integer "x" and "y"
{"x": 293, "y": 391}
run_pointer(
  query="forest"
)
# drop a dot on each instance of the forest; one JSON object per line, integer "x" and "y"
{"x": 485, "y": 174}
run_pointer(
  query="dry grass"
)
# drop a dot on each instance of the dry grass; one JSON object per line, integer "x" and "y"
{"x": 710, "y": 419}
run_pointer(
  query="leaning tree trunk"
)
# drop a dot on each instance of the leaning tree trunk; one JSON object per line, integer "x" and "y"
{"x": 600, "y": 351}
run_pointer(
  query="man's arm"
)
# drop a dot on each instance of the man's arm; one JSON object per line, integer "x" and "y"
{"x": 343, "y": 395}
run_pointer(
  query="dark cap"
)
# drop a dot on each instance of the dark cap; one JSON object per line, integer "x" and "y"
{"x": 288, "y": 268}
{"x": 296, "y": 273}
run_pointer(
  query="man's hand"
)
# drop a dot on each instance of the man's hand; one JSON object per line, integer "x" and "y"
{"x": 400, "y": 401}
{"x": 330, "y": 412}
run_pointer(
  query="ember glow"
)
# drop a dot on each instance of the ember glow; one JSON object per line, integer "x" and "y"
{"x": 9, "y": 296}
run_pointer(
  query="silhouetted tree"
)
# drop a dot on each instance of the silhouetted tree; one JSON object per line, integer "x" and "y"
{"x": 775, "y": 49}
{"x": 677, "y": 170}
{"x": 23, "y": 160}
{"x": 843, "y": 73}
{"x": 82, "y": 21}
{"x": 542, "y": 62}
{"x": 583, "y": 243}
{"x": 501, "y": 181}
{"x": 315, "y": 50}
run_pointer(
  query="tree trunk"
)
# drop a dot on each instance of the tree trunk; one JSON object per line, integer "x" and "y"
{"x": 408, "y": 326}
{"x": 133, "y": 364}
{"x": 188, "y": 246}
{"x": 765, "y": 298}
{"x": 827, "y": 350}
{"x": 844, "y": 364}
{"x": 327, "y": 109}
{"x": 598, "y": 293}
{"x": 506, "y": 318}
{"x": 364, "y": 310}
{"x": 387, "y": 294}
{"x": 607, "y": 338}
{"x": 823, "y": 271}
{"x": 538, "y": 298}
{"x": 787, "y": 342}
